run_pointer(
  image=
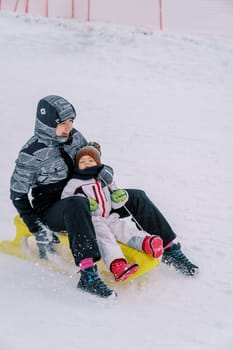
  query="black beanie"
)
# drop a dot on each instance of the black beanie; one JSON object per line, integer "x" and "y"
{"x": 52, "y": 110}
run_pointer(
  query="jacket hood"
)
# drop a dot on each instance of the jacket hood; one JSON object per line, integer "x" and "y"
{"x": 51, "y": 111}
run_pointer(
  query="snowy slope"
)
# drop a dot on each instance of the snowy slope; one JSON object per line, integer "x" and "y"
{"x": 161, "y": 107}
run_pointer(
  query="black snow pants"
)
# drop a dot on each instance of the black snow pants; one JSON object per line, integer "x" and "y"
{"x": 147, "y": 215}
{"x": 72, "y": 214}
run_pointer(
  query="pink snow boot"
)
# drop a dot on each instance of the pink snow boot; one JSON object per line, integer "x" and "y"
{"x": 121, "y": 270}
{"x": 153, "y": 245}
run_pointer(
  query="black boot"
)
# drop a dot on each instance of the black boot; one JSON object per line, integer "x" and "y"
{"x": 175, "y": 257}
{"x": 90, "y": 282}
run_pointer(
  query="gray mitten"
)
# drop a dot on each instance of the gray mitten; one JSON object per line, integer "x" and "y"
{"x": 106, "y": 175}
{"x": 96, "y": 145}
{"x": 45, "y": 240}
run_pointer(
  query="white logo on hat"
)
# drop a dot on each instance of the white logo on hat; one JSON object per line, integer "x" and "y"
{"x": 42, "y": 111}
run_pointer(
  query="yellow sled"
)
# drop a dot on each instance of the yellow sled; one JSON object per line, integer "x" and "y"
{"x": 24, "y": 246}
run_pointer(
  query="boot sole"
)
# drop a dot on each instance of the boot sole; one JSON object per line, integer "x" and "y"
{"x": 127, "y": 273}
{"x": 156, "y": 246}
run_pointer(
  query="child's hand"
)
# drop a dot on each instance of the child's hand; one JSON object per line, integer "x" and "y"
{"x": 93, "y": 204}
{"x": 118, "y": 196}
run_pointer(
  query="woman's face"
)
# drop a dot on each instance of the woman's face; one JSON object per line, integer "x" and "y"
{"x": 63, "y": 129}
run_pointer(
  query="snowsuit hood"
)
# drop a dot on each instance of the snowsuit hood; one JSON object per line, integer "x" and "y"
{"x": 51, "y": 111}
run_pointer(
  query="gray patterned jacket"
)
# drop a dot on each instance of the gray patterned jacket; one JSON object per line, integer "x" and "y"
{"x": 41, "y": 171}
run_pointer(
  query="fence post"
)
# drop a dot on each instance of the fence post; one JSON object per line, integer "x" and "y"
{"x": 160, "y": 15}
{"x": 26, "y": 6}
{"x": 72, "y": 8}
{"x": 16, "y": 6}
{"x": 88, "y": 10}
{"x": 46, "y": 8}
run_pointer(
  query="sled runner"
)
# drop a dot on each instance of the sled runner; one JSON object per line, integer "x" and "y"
{"x": 24, "y": 246}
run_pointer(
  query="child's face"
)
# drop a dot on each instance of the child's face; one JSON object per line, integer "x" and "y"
{"x": 86, "y": 162}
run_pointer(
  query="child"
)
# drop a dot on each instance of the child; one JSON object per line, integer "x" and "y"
{"x": 109, "y": 228}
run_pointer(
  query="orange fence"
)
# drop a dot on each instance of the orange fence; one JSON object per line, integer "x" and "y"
{"x": 129, "y": 12}
{"x": 192, "y": 16}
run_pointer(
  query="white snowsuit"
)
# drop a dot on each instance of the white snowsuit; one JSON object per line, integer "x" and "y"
{"x": 109, "y": 228}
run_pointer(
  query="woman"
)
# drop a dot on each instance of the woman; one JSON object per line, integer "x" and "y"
{"x": 43, "y": 167}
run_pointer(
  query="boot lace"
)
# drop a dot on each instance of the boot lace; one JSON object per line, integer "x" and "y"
{"x": 179, "y": 260}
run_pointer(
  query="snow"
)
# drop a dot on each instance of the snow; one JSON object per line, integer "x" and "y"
{"x": 161, "y": 106}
